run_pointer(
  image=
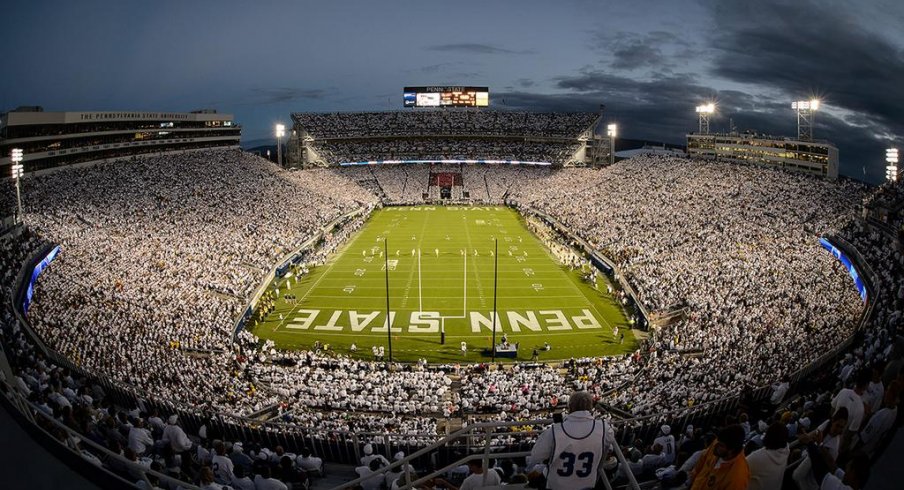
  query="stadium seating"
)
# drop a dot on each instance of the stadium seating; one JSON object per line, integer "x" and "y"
{"x": 160, "y": 254}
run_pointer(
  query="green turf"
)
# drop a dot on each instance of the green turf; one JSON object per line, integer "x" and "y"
{"x": 551, "y": 300}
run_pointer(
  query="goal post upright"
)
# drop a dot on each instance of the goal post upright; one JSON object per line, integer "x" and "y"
{"x": 388, "y": 314}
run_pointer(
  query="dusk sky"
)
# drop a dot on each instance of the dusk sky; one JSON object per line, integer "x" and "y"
{"x": 649, "y": 61}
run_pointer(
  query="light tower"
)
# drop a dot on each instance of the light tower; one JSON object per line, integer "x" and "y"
{"x": 891, "y": 169}
{"x": 17, "y": 171}
{"x": 612, "y": 132}
{"x": 806, "y": 118}
{"x": 280, "y": 132}
{"x": 704, "y": 112}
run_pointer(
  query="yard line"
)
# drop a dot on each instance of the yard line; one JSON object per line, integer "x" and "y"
{"x": 420, "y": 296}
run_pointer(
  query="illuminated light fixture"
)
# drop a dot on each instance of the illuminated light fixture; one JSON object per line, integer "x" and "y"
{"x": 18, "y": 170}
{"x": 612, "y": 132}
{"x": 806, "y": 115}
{"x": 280, "y": 132}
{"x": 891, "y": 170}
{"x": 704, "y": 112}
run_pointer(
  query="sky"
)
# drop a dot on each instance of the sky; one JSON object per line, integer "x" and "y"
{"x": 649, "y": 61}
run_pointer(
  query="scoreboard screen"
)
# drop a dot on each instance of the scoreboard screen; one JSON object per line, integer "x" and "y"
{"x": 450, "y": 96}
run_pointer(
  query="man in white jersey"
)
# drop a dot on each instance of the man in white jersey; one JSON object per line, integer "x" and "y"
{"x": 667, "y": 441}
{"x": 574, "y": 450}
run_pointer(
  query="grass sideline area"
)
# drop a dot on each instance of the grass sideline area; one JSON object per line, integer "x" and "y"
{"x": 441, "y": 265}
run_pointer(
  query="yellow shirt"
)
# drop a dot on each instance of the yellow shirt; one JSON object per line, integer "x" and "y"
{"x": 732, "y": 474}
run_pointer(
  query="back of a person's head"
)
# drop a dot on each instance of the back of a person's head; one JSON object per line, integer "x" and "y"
{"x": 733, "y": 438}
{"x": 863, "y": 379}
{"x": 580, "y": 400}
{"x": 286, "y": 462}
{"x": 776, "y": 436}
{"x": 376, "y": 464}
{"x": 206, "y": 475}
{"x": 305, "y": 452}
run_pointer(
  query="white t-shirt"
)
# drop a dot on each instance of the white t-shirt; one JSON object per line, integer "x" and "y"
{"x": 477, "y": 481}
{"x": 877, "y": 427}
{"x": 261, "y": 483}
{"x": 851, "y": 400}
{"x": 222, "y": 469}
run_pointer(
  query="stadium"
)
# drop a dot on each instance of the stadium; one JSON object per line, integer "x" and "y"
{"x": 416, "y": 297}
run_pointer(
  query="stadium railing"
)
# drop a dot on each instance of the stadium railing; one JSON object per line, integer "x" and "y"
{"x": 41, "y": 426}
{"x": 344, "y": 446}
{"x": 478, "y": 442}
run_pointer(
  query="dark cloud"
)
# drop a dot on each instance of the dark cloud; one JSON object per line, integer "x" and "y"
{"x": 804, "y": 49}
{"x": 631, "y": 51}
{"x": 662, "y": 109}
{"x": 474, "y": 48}
{"x": 285, "y": 94}
{"x": 525, "y": 82}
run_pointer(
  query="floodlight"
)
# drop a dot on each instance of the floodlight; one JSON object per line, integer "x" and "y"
{"x": 612, "y": 130}
{"x": 706, "y": 108}
{"x": 280, "y": 130}
{"x": 18, "y": 170}
{"x": 891, "y": 170}
{"x": 814, "y": 104}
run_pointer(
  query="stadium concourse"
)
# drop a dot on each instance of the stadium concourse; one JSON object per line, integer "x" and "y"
{"x": 160, "y": 254}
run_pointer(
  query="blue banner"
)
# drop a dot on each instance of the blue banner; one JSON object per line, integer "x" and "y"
{"x": 39, "y": 267}
{"x": 839, "y": 254}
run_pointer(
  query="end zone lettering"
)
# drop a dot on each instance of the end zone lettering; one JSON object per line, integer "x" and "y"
{"x": 419, "y": 322}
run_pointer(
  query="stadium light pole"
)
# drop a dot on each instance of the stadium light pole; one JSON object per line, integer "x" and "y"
{"x": 388, "y": 316}
{"x": 612, "y": 132}
{"x": 280, "y": 132}
{"x": 704, "y": 112}
{"x": 891, "y": 168}
{"x": 806, "y": 117}
{"x": 17, "y": 172}
{"x": 495, "y": 282}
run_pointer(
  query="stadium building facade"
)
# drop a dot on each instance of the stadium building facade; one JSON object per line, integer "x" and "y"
{"x": 812, "y": 157}
{"x": 51, "y": 140}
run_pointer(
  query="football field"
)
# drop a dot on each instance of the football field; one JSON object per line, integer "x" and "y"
{"x": 440, "y": 262}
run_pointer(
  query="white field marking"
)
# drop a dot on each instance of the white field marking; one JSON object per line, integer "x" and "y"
{"x": 420, "y": 295}
{"x": 533, "y": 297}
{"x": 472, "y": 336}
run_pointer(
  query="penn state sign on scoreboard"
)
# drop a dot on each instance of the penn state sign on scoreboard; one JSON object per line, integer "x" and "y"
{"x": 446, "y": 96}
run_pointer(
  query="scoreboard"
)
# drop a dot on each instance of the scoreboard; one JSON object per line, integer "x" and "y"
{"x": 446, "y": 96}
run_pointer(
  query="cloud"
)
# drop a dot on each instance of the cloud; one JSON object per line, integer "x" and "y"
{"x": 631, "y": 51}
{"x": 804, "y": 48}
{"x": 525, "y": 82}
{"x": 474, "y": 48}
{"x": 662, "y": 109}
{"x": 265, "y": 96}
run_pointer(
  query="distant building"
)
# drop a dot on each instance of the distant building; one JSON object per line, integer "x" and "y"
{"x": 812, "y": 157}
{"x": 56, "y": 139}
{"x": 660, "y": 150}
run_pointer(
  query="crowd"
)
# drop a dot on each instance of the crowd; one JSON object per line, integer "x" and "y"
{"x": 443, "y": 123}
{"x": 159, "y": 255}
{"x": 342, "y": 151}
{"x": 735, "y": 247}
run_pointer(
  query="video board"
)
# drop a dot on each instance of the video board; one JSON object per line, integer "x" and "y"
{"x": 446, "y": 96}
